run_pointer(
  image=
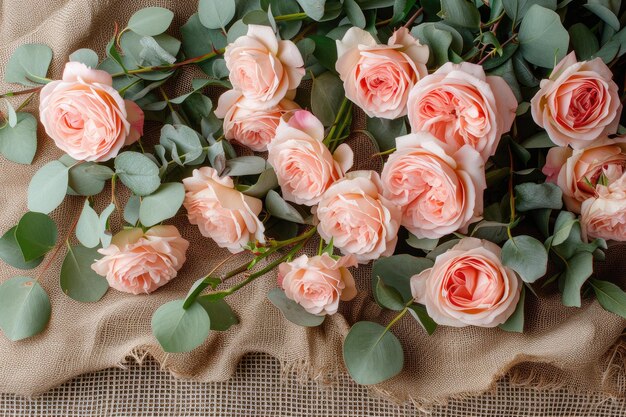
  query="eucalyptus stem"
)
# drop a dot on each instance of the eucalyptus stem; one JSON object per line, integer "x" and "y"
{"x": 290, "y": 17}
{"x": 342, "y": 108}
{"x": 189, "y": 61}
{"x": 19, "y": 93}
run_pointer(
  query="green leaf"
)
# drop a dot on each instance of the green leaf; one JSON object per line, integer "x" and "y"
{"x": 354, "y": 13}
{"x": 150, "y": 21}
{"x": 78, "y": 281}
{"x": 604, "y": 13}
{"x": 422, "y": 243}
{"x": 442, "y": 248}
{"x": 183, "y": 143}
{"x": 386, "y": 296}
{"x": 579, "y": 268}
{"x": 221, "y": 315}
{"x": 325, "y": 51}
{"x": 420, "y": 314}
{"x": 515, "y": 323}
{"x": 36, "y": 234}
{"x": 386, "y": 131}
{"x": 460, "y": 13}
{"x": 517, "y": 9}
{"x": 371, "y": 353}
{"x": 131, "y": 210}
{"x": 215, "y": 14}
{"x": 530, "y": 196}
{"x": 527, "y": 256}
{"x": 88, "y": 178}
{"x": 396, "y": 271}
{"x": 293, "y": 311}
{"x": 11, "y": 253}
{"x": 19, "y": 143}
{"x": 178, "y": 329}
{"x": 543, "y": 39}
{"x": 539, "y": 140}
{"x": 88, "y": 229}
{"x": 163, "y": 204}
{"x": 28, "y": 65}
{"x": 565, "y": 221}
{"x": 245, "y": 165}
{"x": 11, "y": 115}
{"x": 313, "y": 8}
{"x": 199, "y": 40}
{"x": 326, "y": 97}
{"x": 279, "y": 208}
{"x": 584, "y": 41}
{"x": 611, "y": 297}
{"x": 137, "y": 172}
{"x": 106, "y": 236}
{"x": 47, "y": 188}
{"x": 24, "y": 308}
{"x": 267, "y": 181}
{"x": 85, "y": 56}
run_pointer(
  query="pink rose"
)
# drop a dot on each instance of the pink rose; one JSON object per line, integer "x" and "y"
{"x": 378, "y": 78}
{"x": 604, "y": 216}
{"x": 578, "y": 103}
{"x": 86, "y": 117}
{"x": 578, "y": 172}
{"x": 318, "y": 283}
{"x": 460, "y": 105}
{"x": 440, "y": 190}
{"x": 263, "y": 68}
{"x": 251, "y": 127}
{"x": 222, "y": 213}
{"x": 304, "y": 166}
{"x": 136, "y": 262}
{"x": 356, "y": 216}
{"x": 468, "y": 285}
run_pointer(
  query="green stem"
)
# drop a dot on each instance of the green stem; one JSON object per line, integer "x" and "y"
{"x": 290, "y": 17}
{"x": 191, "y": 298}
{"x": 189, "y": 61}
{"x": 25, "y": 102}
{"x": 342, "y": 108}
{"x": 19, "y": 93}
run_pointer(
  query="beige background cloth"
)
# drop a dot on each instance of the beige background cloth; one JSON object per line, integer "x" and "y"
{"x": 569, "y": 347}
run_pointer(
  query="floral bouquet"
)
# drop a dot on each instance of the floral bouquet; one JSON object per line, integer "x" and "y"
{"x": 498, "y": 131}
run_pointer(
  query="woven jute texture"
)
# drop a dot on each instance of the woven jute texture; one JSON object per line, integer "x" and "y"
{"x": 562, "y": 346}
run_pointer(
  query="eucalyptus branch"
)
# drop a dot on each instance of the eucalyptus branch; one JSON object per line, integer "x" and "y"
{"x": 19, "y": 93}
{"x": 195, "y": 60}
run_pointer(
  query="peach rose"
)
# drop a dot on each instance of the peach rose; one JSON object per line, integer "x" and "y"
{"x": 440, "y": 190}
{"x": 578, "y": 172}
{"x": 378, "y": 78}
{"x": 251, "y": 127}
{"x": 86, "y": 117}
{"x": 262, "y": 67}
{"x": 318, "y": 283}
{"x": 356, "y": 216}
{"x": 604, "y": 216}
{"x": 136, "y": 262}
{"x": 304, "y": 166}
{"x": 578, "y": 103}
{"x": 460, "y": 105}
{"x": 468, "y": 286}
{"x": 222, "y": 213}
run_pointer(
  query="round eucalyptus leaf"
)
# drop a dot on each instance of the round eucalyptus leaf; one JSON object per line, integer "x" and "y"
{"x": 293, "y": 311}
{"x": 221, "y": 315}
{"x": 216, "y": 14}
{"x": 530, "y": 196}
{"x": 515, "y": 322}
{"x": 78, "y": 280}
{"x": 24, "y": 308}
{"x": 36, "y": 234}
{"x": 386, "y": 296}
{"x": 542, "y": 37}
{"x": 88, "y": 227}
{"x": 131, "y": 210}
{"x": 611, "y": 297}
{"x": 162, "y": 204}
{"x": 396, "y": 271}
{"x": 516, "y": 9}
{"x": 85, "y": 56}
{"x": 313, "y": 8}
{"x": 48, "y": 187}
{"x": 19, "y": 143}
{"x": 137, "y": 172}
{"x": 151, "y": 21}
{"x": 326, "y": 96}
{"x": 11, "y": 253}
{"x": 460, "y": 13}
{"x": 354, "y": 13}
{"x": 371, "y": 353}
{"x": 527, "y": 256}
{"x": 28, "y": 65}
{"x": 178, "y": 329}
{"x": 420, "y": 314}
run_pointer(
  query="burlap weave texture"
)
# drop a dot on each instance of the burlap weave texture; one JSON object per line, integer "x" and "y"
{"x": 569, "y": 345}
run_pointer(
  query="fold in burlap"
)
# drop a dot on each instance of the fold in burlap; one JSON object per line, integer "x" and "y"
{"x": 561, "y": 347}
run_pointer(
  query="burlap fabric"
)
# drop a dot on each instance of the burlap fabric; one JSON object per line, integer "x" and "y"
{"x": 561, "y": 347}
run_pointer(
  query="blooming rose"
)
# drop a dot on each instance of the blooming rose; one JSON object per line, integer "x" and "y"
{"x": 605, "y": 216}
{"x": 460, "y": 105}
{"x": 578, "y": 172}
{"x": 86, "y": 117}
{"x": 221, "y": 212}
{"x": 468, "y": 285}
{"x": 263, "y": 68}
{"x": 251, "y": 127}
{"x": 440, "y": 190}
{"x": 378, "y": 78}
{"x": 138, "y": 262}
{"x": 359, "y": 220}
{"x": 318, "y": 283}
{"x": 304, "y": 166}
{"x": 578, "y": 103}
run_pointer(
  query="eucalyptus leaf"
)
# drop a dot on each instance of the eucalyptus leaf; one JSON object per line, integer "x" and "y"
{"x": 88, "y": 178}
{"x": 386, "y": 296}
{"x": 88, "y": 227}
{"x": 611, "y": 297}
{"x": 178, "y": 329}
{"x": 151, "y": 21}
{"x": 19, "y": 143}
{"x": 78, "y": 281}
{"x": 163, "y": 204}
{"x": 420, "y": 314}
{"x": 36, "y": 234}
{"x": 527, "y": 256}
{"x": 326, "y": 97}
{"x": 245, "y": 165}
{"x": 371, "y": 353}
{"x": 221, "y": 315}
{"x": 422, "y": 243}
{"x": 515, "y": 322}
{"x": 293, "y": 311}
{"x": 354, "y": 13}
{"x": 584, "y": 41}
{"x": 460, "y": 13}
{"x": 85, "y": 56}
{"x": 604, "y": 13}
{"x": 183, "y": 142}
{"x": 106, "y": 236}
{"x": 396, "y": 271}
{"x": 137, "y": 172}
{"x": 24, "y": 308}
{"x": 530, "y": 196}
{"x": 279, "y": 208}
{"x": 11, "y": 253}
{"x": 386, "y": 131}
{"x": 199, "y": 40}
{"x": 313, "y": 8}
{"x": 47, "y": 188}
{"x": 131, "y": 210}
{"x": 516, "y": 9}
{"x": 267, "y": 181}
{"x": 542, "y": 37}
{"x": 216, "y": 14}
{"x": 578, "y": 269}
{"x": 28, "y": 65}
